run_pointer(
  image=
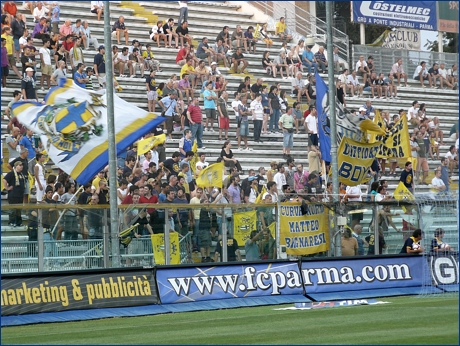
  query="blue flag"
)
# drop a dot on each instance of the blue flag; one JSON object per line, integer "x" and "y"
{"x": 72, "y": 124}
{"x": 324, "y": 128}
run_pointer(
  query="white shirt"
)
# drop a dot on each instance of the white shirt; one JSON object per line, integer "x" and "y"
{"x": 443, "y": 72}
{"x": 122, "y": 57}
{"x": 354, "y": 190}
{"x": 297, "y": 83}
{"x": 280, "y": 180}
{"x": 417, "y": 71}
{"x": 274, "y": 196}
{"x": 235, "y": 104}
{"x": 343, "y": 78}
{"x": 359, "y": 64}
{"x": 352, "y": 80}
{"x": 451, "y": 156}
{"x": 413, "y": 115}
{"x": 46, "y": 55}
{"x": 123, "y": 194}
{"x": 437, "y": 182}
{"x": 23, "y": 41}
{"x": 456, "y": 144}
{"x": 311, "y": 122}
{"x": 258, "y": 110}
{"x": 182, "y": 4}
{"x": 40, "y": 13}
{"x": 99, "y": 4}
{"x": 199, "y": 166}
{"x": 379, "y": 197}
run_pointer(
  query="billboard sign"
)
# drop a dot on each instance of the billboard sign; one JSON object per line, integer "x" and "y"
{"x": 448, "y": 16}
{"x": 403, "y": 14}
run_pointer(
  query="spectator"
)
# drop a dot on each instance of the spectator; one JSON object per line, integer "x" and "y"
{"x": 210, "y": 98}
{"x": 99, "y": 65}
{"x": 452, "y": 74}
{"x": 286, "y": 123}
{"x": 202, "y": 72}
{"x": 135, "y": 60}
{"x": 412, "y": 244}
{"x": 195, "y": 118}
{"x": 308, "y": 60}
{"x": 349, "y": 243}
{"x": 320, "y": 59}
{"x": 444, "y": 76}
{"x": 397, "y": 71}
{"x": 80, "y": 77}
{"x": 18, "y": 26}
{"x": 353, "y": 85}
{"x": 421, "y": 73}
{"x": 390, "y": 84}
{"x": 362, "y": 70}
{"x": 15, "y": 182}
{"x": 76, "y": 55}
{"x": 152, "y": 93}
{"x": 183, "y": 15}
{"x": 244, "y": 113}
{"x": 97, "y": 7}
{"x": 237, "y": 60}
{"x": 41, "y": 30}
{"x": 65, "y": 30}
{"x": 190, "y": 70}
{"x": 234, "y": 190}
{"x": 224, "y": 121}
{"x": 437, "y": 184}
{"x": 438, "y": 246}
{"x": 357, "y": 230}
{"x": 28, "y": 86}
{"x": 181, "y": 57}
{"x": 224, "y": 37}
{"x": 59, "y": 73}
{"x": 158, "y": 33}
{"x": 182, "y": 31}
{"x": 312, "y": 127}
{"x": 185, "y": 88}
{"x": 6, "y": 34}
{"x": 78, "y": 32}
{"x": 39, "y": 12}
{"x": 120, "y": 61}
{"x": 298, "y": 86}
{"x": 281, "y": 64}
{"x": 119, "y": 29}
{"x": 281, "y": 30}
{"x": 369, "y": 109}
{"x": 170, "y": 33}
{"x": 204, "y": 51}
{"x": 185, "y": 143}
{"x": 292, "y": 63}
{"x": 219, "y": 53}
{"x": 227, "y": 155}
{"x": 338, "y": 66}
{"x": 275, "y": 110}
{"x": 452, "y": 159}
{"x": 268, "y": 64}
{"x": 434, "y": 73}
{"x": 407, "y": 177}
{"x": 89, "y": 38}
{"x": 237, "y": 39}
{"x": 266, "y": 36}
{"x": 300, "y": 178}
{"x": 257, "y": 115}
{"x": 250, "y": 41}
{"x": 5, "y": 63}
{"x": 170, "y": 111}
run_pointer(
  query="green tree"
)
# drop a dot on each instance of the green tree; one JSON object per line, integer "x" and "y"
{"x": 449, "y": 40}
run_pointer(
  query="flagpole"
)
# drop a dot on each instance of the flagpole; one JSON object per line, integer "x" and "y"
{"x": 62, "y": 212}
{"x": 331, "y": 85}
{"x": 115, "y": 246}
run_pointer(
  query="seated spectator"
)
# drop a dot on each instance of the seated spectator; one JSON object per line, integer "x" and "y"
{"x": 237, "y": 39}
{"x": 202, "y": 72}
{"x": 224, "y": 37}
{"x": 353, "y": 84}
{"x": 150, "y": 62}
{"x": 292, "y": 65}
{"x": 181, "y": 57}
{"x": 421, "y": 73}
{"x": 268, "y": 64}
{"x": 444, "y": 77}
{"x": 321, "y": 60}
{"x": 266, "y": 36}
{"x": 41, "y": 30}
{"x": 281, "y": 65}
{"x": 281, "y": 30}
{"x": 97, "y": 7}
{"x": 65, "y": 30}
{"x": 452, "y": 74}
{"x": 250, "y": 41}
{"x": 434, "y": 73}
{"x": 40, "y": 11}
{"x": 182, "y": 31}
{"x": 412, "y": 113}
{"x": 119, "y": 29}
{"x": 397, "y": 71}
{"x": 77, "y": 31}
{"x": 372, "y": 85}
{"x": 121, "y": 61}
{"x": 89, "y": 38}
{"x": 452, "y": 159}
{"x": 220, "y": 52}
{"x": 157, "y": 33}
{"x": 434, "y": 127}
{"x": 204, "y": 51}
{"x": 362, "y": 70}
{"x": 391, "y": 86}
{"x": 227, "y": 155}
{"x": 170, "y": 32}
{"x": 135, "y": 60}
{"x": 338, "y": 66}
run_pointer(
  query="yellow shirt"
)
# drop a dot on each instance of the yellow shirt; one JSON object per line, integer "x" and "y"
{"x": 9, "y": 43}
{"x": 96, "y": 180}
{"x": 280, "y": 27}
{"x": 196, "y": 211}
{"x": 185, "y": 69}
{"x": 186, "y": 187}
{"x": 145, "y": 54}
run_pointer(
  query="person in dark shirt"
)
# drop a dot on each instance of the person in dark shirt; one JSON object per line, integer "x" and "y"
{"x": 95, "y": 219}
{"x": 412, "y": 244}
{"x": 233, "y": 251}
{"x": 237, "y": 59}
{"x": 370, "y": 239}
{"x": 172, "y": 165}
{"x": 84, "y": 199}
{"x": 407, "y": 177}
{"x": 14, "y": 183}
{"x": 434, "y": 73}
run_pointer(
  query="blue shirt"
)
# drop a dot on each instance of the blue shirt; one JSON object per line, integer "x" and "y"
{"x": 209, "y": 103}
{"x": 55, "y": 14}
{"x": 307, "y": 54}
{"x": 264, "y": 100}
{"x": 203, "y": 88}
{"x": 26, "y": 142}
{"x": 189, "y": 172}
{"x": 169, "y": 104}
{"x": 360, "y": 244}
{"x": 78, "y": 75}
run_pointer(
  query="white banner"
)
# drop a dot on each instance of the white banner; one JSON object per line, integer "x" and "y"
{"x": 403, "y": 39}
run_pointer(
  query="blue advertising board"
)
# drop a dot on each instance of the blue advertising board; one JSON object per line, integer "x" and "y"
{"x": 362, "y": 274}
{"x": 192, "y": 284}
{"x": 403, "y": 14}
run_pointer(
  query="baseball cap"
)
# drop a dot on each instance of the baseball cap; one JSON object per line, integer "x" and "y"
{"x": 213, "y": 63}
{"x": 29, "y": 69}
{"x": 251, "y": 178}
{"x": 101, "y": 47}
{"x": 361, "y": 109}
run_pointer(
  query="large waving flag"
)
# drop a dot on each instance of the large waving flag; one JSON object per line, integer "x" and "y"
{"x": 348, "y": 125}
{"x": 146, "y": 144}
{"x": 211, "y": 176}
{"x": 73, "y": 128}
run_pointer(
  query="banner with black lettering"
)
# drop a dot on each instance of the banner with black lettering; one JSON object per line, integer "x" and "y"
{"x": 51, "y": 293}
{"x": 396, "y": 141}
{"x": 354, "y": 160}
{"x": 304, "y": 234}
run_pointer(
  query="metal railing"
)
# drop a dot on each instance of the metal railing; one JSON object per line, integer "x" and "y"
{"x": 384, "y": 58}
{"x": 302, "y": 24}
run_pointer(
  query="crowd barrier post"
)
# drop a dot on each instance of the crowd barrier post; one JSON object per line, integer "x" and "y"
{"x": 40, "y": 244}
{"x": 106, "y": 244}
{"x": 166, "y": 242}
{"x": 376, "y": 229}
{"x": 278, "y": 229}
{"x": 224, "y": 253}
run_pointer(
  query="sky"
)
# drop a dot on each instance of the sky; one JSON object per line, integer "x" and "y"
{"x": 425, "y": 34}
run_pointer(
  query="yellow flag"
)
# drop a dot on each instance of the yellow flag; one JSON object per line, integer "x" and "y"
{"x": 396, "y": 143}
{"x": 158, "y": 244}
{"x": 145, "y": 145}
{"x": 3, "y": 186}
{"x": 194, "y": 159}
{"x": 402, "y": 193}
{"x": 378, "y": 120}
{"x": 243, "y": 225}
{"x": 211, "y": 176}
{"x": 272, "y": 228}
{"x": 259, "y": 198}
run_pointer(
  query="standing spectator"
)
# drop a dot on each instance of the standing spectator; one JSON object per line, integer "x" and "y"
{"x": 244, "y": 113}
{"x": 237, "y": 60}
{"x": 338, "y": 66}
{"x": 233, "y": 251}
{"x": 14, "y": 183}
{"x": 286, "y": 124}
{"x": 314, "y": 159}
{"x": 235, "y": 105}
{"x": 89, "y": 38}
{"x": 421, "y": 73}
{"x": 185, "y": 143}
{"x": 280, "y": 178}
{"x": 170, "y": 33}
{"x": 18, "y": 26}
{"x": 412, "y": 244}
{"x": 76, "y": 55}
{"x": 275, "y": 109}
{"x": 234, "y": 190}
{"x": 357, "y": 230}
{"x": 308, "y": 60}
{"x": 398, "y": 72}
{"x": 60, "y": 55}
{"x": 444, "y": 172}
{"x": 349, "y": 244}
{"x": 47, "y": 69}
{"x": 95, "y": 217}
{"x": 257, "y": 116}
{"x": 300, "y": 178}
{"x": 407, "y": 177}
{"x": 6, "y": 34}
{"x": 195, "y": 118}
{"x": 281, "y": 30}
{"x": 171, "y": 111}
{"x": 452, "y": 159}
{"x": 152, "y": 94}
{"x": 224, "y": 121}
{"x": 210, "y": 99}
{"x": 97, "y": 7}
{"x": 99, "y": 65}
{"x": 12, "y": 142}
{"x": 353, "y": 85}
{"x": 311, "y": 125}
{"x": 183, "y": 15}
{"x": 39, "y": 174}
{"x": 59, "y": 73}
{"x": 55, "y": 17}
{"x": 5, "y": 63}
{"x": 28, "y": 86}
{"x": 119, "y": 29}
{"x": 182, "y": 31}
{"x": 321, "y": 60}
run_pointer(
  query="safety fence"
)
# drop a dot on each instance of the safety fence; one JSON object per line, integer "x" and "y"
{"x": 197, "y": 233}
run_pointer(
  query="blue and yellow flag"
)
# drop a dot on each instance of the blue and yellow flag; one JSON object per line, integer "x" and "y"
{"x": 146, "y": 144}
{"x": 211, "y": 176}
{"x": 72, "y": 125}
{"x": 243, "y": 224}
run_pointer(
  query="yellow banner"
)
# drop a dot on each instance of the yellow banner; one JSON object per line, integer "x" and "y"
{"x": 396, "y": 142}
{"x": 378, "y": 120}
{"x": 211, "y": 176}
{"x": 243, "y": 225}
{"x": 402, "y": 193}
{"x": 259, "y": 198}
{"x": 195, "y": 157}
{"x": 354, "y": 159}
{"x": 145, "y": 145}
{"x": 272, "y": 229}
{"x": 158, "y": 244}
{"x": 304, "y": 234}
